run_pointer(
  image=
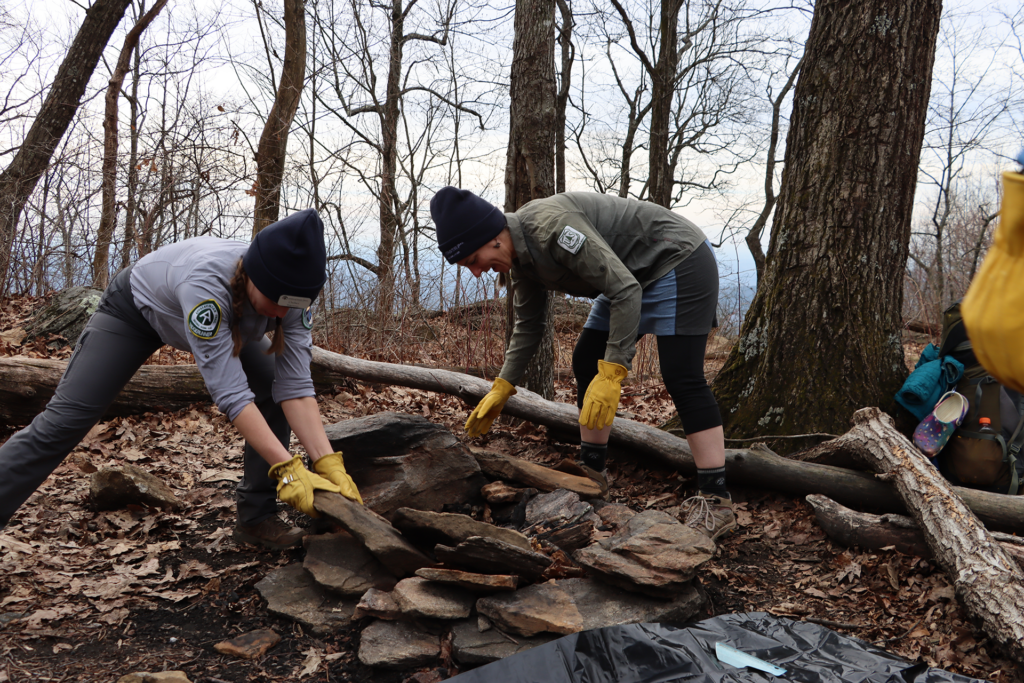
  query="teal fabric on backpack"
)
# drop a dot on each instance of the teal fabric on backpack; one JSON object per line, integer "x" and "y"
{"x": 932, "y": 377}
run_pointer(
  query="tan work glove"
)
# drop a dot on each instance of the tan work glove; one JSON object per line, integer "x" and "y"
{"x": 482, "y": 417}
{"x": 993, "y": 309}
{"x": 296, "y": 484}
{"x": 332, "y": 468}
{"x": 602, "y": 397}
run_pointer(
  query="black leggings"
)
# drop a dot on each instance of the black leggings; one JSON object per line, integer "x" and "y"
{"x": 682, "y": 369}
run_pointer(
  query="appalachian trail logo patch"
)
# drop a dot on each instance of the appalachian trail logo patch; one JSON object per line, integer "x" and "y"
{"x": 571, "y": 239}
{"x": 204, "y": 320}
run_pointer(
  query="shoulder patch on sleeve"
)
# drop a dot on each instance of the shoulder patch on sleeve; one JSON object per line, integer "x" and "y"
{"x": 307, "y": 318}
{"x": 571, "y": 239}
{"x": 204, "y": 320}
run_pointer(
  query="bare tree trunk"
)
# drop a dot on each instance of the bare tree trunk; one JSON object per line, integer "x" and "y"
{"x": 270, "y": 155}
{"x": 663, "y": 81}
{"x": 108, "y": 215}
{"x": 19, "y": 179}
{"x": 568, "y": 53}
{"x": 389, "y": 165}
{"x": 824, "y": 328}
{"x": 530, "y": 166}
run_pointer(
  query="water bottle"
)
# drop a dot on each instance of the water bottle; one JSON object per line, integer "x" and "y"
{"x": 985, "y": 426}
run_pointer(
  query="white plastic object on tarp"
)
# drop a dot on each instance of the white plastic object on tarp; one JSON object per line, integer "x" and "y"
{"x": 733, "y": 657}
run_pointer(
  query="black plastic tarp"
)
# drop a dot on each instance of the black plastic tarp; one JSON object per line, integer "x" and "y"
{"x": 658, "y": 653}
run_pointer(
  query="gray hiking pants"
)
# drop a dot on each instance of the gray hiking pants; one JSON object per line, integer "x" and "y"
{"x": 108, "y": 353}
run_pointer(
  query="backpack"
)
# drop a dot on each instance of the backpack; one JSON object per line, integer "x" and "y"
{"x": 992, "y": 462}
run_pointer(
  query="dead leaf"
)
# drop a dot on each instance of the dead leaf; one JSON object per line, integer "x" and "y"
{"x": 312, "y": 663}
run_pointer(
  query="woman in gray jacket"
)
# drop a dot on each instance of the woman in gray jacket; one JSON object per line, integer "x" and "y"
{"x": 649, "y": 270}
{"x": 217, "y": 299}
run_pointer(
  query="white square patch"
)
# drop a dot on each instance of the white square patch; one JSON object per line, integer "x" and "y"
{"x": 571, "y": 239}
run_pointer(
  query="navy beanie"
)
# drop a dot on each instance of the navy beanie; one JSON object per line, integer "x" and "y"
{"x": 464, "y": 222}
{"x": 288, "y": 259}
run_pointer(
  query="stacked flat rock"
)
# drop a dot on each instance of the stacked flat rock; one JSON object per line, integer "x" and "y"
{"x": 422, "y": 577}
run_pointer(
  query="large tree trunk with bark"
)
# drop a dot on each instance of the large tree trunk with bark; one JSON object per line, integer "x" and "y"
{"x": 822, "y": 336}
{"x": 988, "y": 583}
{"x": 19, "y": 179}
{"x": 530, "y": 165}
{"x": 108, "y": 211}
{"x": 27, "y": 384}
{"x": 271, "y": 153}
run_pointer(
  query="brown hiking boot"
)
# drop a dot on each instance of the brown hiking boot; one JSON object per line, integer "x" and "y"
{"x": 709, "y": 514}
{"x": 271, "y": 533}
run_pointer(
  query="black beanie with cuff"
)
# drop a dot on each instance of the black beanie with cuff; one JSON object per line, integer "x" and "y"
{"x": 464, "y": 222}
{"x": 287, "y": 260}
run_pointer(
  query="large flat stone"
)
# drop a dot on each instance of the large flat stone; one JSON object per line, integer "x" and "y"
{"x": 560, "y": 505}
{"x": 341, "y": 564}
{"x": 471, "y": 581}
{"x": 451, "y": 529}
{"x": 419, "y": 598}
{"x": 397, "y": 645}
{"x": 373, "y": 531}
{"x": 653, "y": 554}
{"x": 292, "y": 593}
{"x": 500, "y": 466}
{"x": 540, "y": 608}
{"x": 489, "y": 556}
{"x": 472, "y": 647}
{"x": 603, "y": 605}
{"x": 401, "y": 460}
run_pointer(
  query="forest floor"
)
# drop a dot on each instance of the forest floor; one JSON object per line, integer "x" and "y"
{"x": 90, "y": 596}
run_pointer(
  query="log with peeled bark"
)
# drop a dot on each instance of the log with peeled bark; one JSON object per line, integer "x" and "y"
{"x": 26, "y": 385}
{"x": 988, "y": 583}
{"x": 874, "y": 532}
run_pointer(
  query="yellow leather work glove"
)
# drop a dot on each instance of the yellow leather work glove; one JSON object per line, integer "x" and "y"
{"x": 332, "y": 468}
{"x": 482, "y": 417}
{"x": 296, "y": 484}
{"x": 993, "y": 309}
{"x": 602, "y": 397}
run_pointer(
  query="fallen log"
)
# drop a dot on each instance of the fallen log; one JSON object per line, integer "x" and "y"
{"x": 757, "y": 466}
{"x": 26, "y": 384}
{"x": 874, "y": 532}
{"x": 988, "y": 583}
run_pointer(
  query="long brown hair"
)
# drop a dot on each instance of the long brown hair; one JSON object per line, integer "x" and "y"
{"x": 238, "y": 298}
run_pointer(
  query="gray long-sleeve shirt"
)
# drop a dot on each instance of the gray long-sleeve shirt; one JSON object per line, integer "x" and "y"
{"x": 586, "y": 244}
{"x": 183, "y": 290}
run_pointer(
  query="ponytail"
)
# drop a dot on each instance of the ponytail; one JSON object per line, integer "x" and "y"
{"x": 238, "y": 298}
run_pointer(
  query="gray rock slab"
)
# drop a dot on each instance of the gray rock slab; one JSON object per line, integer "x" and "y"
{"x": 376, "y": 533}
{"x": 401, "y": 460}
{"x": 379, "y": 604}
{"x": 417, "y": 597}
{"x": 556, "y": 506}
{"x": 489, "y": 556}
{"x": 540, "y": 608}
{"x": 292, "y": 593}
{"x": 451, "y": 529}
{"x": 653, "y": 554}
{"x": 341, "y": 564}
{"x": 472, "y": 647}
{"x": 604, "y": 605}
{"x": 113, "y": 488}
{"x": 397, "y": 645}
{"x": 471, "y": 581}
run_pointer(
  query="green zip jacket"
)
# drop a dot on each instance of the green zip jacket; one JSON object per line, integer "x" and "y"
{"x": 586, "y": 244}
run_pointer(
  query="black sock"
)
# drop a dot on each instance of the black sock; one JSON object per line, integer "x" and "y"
{"x": 594, "y": 455}
{"x": 712, "y": 481}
